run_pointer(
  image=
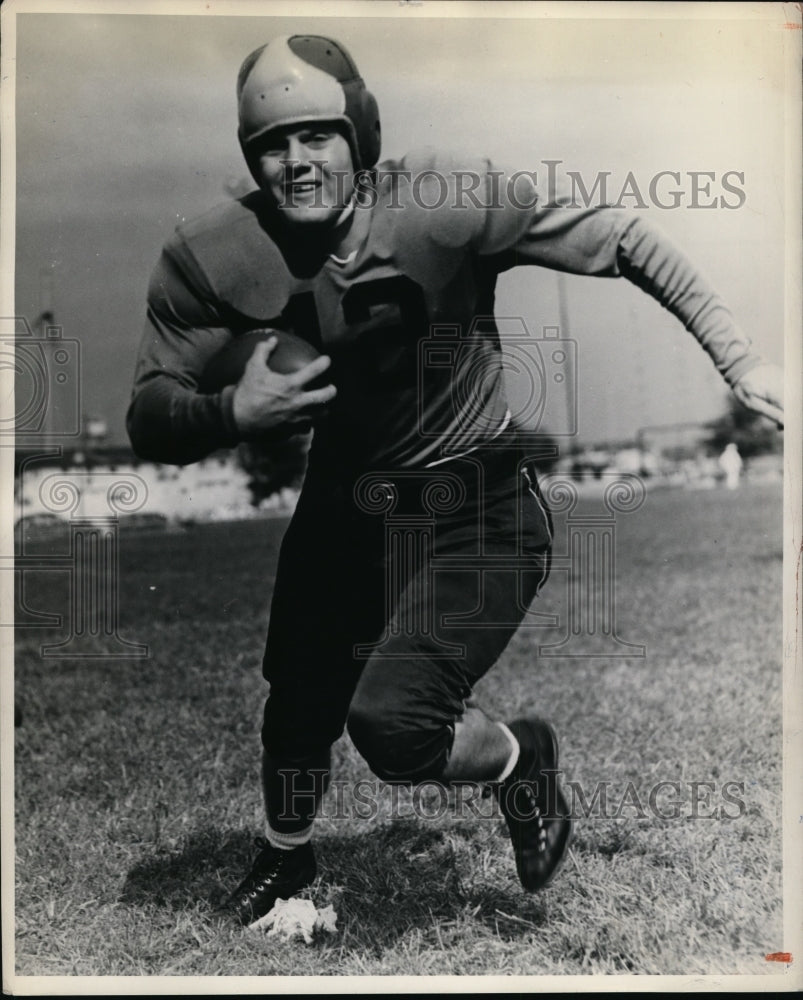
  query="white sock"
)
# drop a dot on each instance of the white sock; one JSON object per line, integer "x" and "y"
{"x": 287, "y": 841}
{"x": 515, "y": 749}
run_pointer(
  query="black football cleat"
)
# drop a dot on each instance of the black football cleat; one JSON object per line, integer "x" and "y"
{"x": 535, "y": 809}
{"x": 275, "y": 874}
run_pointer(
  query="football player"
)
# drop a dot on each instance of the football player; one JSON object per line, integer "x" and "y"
{"x": 366, "y": 260}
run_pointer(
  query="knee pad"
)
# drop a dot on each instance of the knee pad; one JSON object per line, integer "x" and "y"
{"x": 399, "y": 751}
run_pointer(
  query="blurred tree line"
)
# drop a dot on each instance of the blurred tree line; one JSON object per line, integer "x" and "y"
{"x": 751, "y": 433}
{"x": 274, "y": 467}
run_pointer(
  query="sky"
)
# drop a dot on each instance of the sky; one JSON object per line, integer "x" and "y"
{"x": 126, "y": 125}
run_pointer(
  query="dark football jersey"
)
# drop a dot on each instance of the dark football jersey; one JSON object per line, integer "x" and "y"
{"x": 407, "y": 319}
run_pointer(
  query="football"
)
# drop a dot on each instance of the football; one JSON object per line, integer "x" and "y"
{"x": 227, "y": 366}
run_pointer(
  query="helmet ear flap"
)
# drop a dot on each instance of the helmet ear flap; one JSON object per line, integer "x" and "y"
{"x": 363, "y": 113}
{"x": 371, "y": 140}
{"x": 249, "y": 160}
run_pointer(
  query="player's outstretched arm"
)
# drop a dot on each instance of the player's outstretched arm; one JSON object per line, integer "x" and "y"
{"x": 554, "y": 232}
{"x": 761, "y": 390}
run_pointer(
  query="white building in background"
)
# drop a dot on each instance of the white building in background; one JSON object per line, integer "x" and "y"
{"x": 214, "y": 489}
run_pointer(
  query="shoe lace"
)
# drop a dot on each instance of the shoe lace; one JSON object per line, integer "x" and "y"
{"x": 533, "y": 811}
{"x": 266, "y": 866}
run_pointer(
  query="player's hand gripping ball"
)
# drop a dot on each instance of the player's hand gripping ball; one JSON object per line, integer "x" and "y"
{"x": 281, "y": 383}
{"x": 290, "y": 355}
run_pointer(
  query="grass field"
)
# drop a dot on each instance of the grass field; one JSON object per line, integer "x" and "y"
{"x": 137, "y": 788}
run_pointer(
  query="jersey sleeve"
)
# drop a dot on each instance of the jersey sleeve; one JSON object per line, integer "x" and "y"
{"x": 168, "y": 419}
{"x": 522, "y": 227}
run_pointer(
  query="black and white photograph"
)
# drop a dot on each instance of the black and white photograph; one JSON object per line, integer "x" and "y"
{"x": 401, "y": 459}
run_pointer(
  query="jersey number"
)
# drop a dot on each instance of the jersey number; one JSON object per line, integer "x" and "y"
{"x": 402, "y": 294}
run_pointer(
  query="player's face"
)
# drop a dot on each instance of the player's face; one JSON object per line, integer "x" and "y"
{"x": 309, "y": 172}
